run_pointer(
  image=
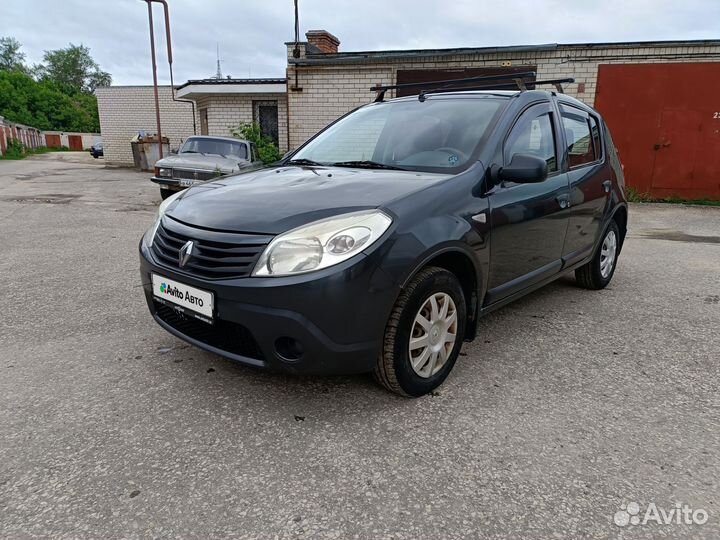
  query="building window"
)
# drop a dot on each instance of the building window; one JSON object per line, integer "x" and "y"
{"x": 265, "y": 114}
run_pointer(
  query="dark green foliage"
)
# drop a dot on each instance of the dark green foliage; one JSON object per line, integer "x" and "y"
{"x": 60, "y": 98}
{"x": 266, "y": 147}
{"x": 44, "y": 106}
{"x": 10, "y": 56}
{"x": 72, "y": 70}
{"x": 15, "y": 150}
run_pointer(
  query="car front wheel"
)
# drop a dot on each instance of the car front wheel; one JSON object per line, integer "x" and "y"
{"x": 424, "y": 334}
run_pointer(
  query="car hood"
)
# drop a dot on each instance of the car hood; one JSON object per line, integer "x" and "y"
{"x": 199, "y": 162}
{"x": 272, "y": 201}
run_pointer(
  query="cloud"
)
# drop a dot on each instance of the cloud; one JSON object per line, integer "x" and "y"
{"x": 251, "y": 35}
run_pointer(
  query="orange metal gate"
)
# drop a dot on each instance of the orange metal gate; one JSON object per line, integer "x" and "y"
{"x": 665, "y": 120}
{"x": 52, "y": 141}
{"x": 75, "y": 142}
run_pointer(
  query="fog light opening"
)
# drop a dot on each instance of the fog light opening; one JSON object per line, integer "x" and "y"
{"x": 289, "y": 349}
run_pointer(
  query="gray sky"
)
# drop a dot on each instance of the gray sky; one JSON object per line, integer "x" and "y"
{"x": 251, "y": 33}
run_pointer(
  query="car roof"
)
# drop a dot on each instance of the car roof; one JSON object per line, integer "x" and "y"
{"x": 214, "y": 138}
{"x": 562, "y": 98}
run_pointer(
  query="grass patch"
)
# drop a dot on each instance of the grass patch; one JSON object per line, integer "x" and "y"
{"x": 635, "y": 196}
{"x": 17, "y": 150}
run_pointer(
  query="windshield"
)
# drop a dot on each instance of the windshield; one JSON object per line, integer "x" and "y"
{"x": 218, "y": 147}
{"x": 440, "y": 134}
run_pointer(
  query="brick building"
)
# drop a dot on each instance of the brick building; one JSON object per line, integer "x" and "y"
{"x": 223, "y": 104}
{"x": 220, "y": 105}
{"x": 659, "y": 98}
{"x": 648, "y": 92}
{"x": 126, "y": 110}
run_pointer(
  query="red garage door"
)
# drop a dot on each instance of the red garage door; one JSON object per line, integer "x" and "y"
{"x": 52, "y": 141}
{"x": 665, "y": 120}
{"x": 75, "y": 142}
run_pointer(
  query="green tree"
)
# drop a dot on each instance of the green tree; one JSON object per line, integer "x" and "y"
{"x": 73, "y": 70}
{"x": 266, "y": 147}
{"x": 11, "y": 58}
{"x": 60, "y": 98}
{"x": 44, "y": 105}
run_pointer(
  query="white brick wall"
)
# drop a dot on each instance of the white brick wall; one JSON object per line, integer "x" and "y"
{"x": 227, "y": 112}
{"x": 329, "y": 91}
{"x": 125, "y": 110}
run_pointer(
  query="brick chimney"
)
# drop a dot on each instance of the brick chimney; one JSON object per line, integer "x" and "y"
{"x": 323, "y": 40}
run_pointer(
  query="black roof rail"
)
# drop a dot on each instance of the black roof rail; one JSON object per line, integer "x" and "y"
{"x": 507, "y": 81}
{"x": 518, "y": 84}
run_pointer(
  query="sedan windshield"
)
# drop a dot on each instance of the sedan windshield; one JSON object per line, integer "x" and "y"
{"x": 440, "y": 134}
{"x": 219, "y": 147}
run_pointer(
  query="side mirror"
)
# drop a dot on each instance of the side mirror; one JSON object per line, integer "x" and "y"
{"x": 524, "y": 169}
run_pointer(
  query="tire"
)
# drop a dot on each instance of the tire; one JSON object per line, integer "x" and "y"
{"x": 394, "y": 369}
{"x": 594, "y": 275}
{"x": 165, "y": 193}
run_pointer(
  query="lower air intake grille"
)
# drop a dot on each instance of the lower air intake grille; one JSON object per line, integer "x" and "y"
{"x": 224, "y": 335}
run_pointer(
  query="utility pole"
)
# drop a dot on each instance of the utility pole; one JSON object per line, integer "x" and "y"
{"x": 154, "y": 70}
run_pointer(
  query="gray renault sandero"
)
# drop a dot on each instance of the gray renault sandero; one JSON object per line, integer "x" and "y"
{"x": 378, "y": 244}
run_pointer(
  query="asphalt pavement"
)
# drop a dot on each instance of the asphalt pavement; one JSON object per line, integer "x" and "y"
{"x": 572, "y": 415}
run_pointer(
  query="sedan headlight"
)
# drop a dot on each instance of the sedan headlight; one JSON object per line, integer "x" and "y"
{"x": 152, "y": 231}
{"x": 163, "y": 172}
{"x": 322, "y": 243}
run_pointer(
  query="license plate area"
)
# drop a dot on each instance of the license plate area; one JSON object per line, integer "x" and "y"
{"x": 188, "y": 300}
{"x": 187, "y": 182}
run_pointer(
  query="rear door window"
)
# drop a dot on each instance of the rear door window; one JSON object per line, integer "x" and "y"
{"x": 581, "y": 146}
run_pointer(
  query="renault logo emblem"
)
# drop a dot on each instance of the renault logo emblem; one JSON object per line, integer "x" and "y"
{"x": 185, "y": 253}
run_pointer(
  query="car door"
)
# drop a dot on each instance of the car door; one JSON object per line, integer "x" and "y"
{"x": 589, "y": 176}
{"x": 528, "y": 221}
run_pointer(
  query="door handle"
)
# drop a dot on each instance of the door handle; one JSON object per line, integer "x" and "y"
{"x": 607, "y": 184}
{"x": 563, "y": 201}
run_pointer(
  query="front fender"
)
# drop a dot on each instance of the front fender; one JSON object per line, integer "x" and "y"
{"x": 450, "y": 241}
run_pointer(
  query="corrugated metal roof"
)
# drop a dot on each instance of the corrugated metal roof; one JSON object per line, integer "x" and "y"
{"x": 360, "y": 56}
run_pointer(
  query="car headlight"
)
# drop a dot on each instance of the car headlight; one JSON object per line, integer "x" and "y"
{"x": 163, "y": 172}
{"x": 321, "y": 244}
{"x": 152, "y": 231}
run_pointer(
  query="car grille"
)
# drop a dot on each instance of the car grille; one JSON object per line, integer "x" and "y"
{"x": 195, "y": 175}
{"x": 224, "y": 335}
{"x": 215, "y": 255}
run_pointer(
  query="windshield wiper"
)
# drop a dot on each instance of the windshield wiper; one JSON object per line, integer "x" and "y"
{"x": 367, "y": 164}
{"x": 193, "y": 152}
{"x": 303, "y": 161}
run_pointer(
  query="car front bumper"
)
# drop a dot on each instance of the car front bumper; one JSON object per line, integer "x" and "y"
{"x": 337, "y": 316}
{"x": 173, "y": 182}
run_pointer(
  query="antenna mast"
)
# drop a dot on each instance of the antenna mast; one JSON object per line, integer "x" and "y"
{"x": 218, "y": 74}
